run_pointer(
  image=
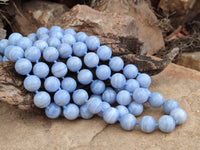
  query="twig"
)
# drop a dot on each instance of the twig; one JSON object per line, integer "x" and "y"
{"x": 174, "y": 33}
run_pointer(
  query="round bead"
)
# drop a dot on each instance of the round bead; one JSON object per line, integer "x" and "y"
{"x": 179, "y": 115}
{"x": 97, "y": 87}
{"x": 41, "y": 45}
{"x": 169, "y": 105}
{"x": 41, "y": 70}
{"x": 116, "y": 64}
{"x": 71, "y": 111}
{"x": 15, "y": 53}
{"x": 80, "y": 96}
{"x": 74, "y": 64}
{"x": 128, "y": 122}
{"x": 104, "y": 106}
{"x": 118, "y": 80}
{"x": 147, "y": 124}
{"x": 32, "y": 53}
{"x": 70, "y": 31}
{"x": 24, "y": 43}
{"x": 122, "y": 110}
{"x": 56, "y": 28}
{"x": 103, "y": 72}
{"x": 144, "y": 80}
{"x": 52, "y": 84}
{"x": 50, "y": 54}
{"x": 65, "y": 50}
{"x": 123, "y": 97}
{"x": 104, "y": 53}
{"x": 140, "y": 95}
{"x": 92, "y": 43}
{"x": 91, "y": 60}
{"x": 81, "y": 37}
{"x": 3, "y": 44}
{"x": 7, "y": 50}
{"x": 59, "y": 69}
{"x": 85, "y": 76}
{"x": 85, "y": 113}
{"x": 32, "y": 83}
{"x": 13, "y": 38}
{"x": 43, "y": 37}
{"x": 42, "y": 99}
{"x": 32, "y": 37}
{"x": 111, "y": 115}
{"x": 53, "y": 111}
{"x": 96, "y": 96}
{"x": 166, "y": 123}
{"x": 69, "y": 84}
{"x": 56, "y": 34}
{"x": 109, "y": 95}
{"x": 23, "y": 66}
{"x": 79, "y": 49}
{"x": 135, "y": 108}
{"x": 130, "y": 71}
{"x": 61, "y": 97}
{"x": 42, "y": 30}
{"x": 94, "y": 105}
{"x": 156, "y": 100}
{"x": 53, "y": 42}
{"x": 5, "y": 58}
{"x": 131, "y": 85}
{"x": 69, "y": 39}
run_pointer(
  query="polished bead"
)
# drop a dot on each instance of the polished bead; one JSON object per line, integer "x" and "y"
{"x": 85, "y": 77}
{"x": 61, "y": 97}
{"x": 71, "y": 111}
{"x": 179, "y": 115}
{"x": 80, "y": 96}
{"x": 85, "y": 113}
{"x": 91, "y": 60}
{"x": 97, "y": 87}
{"x": 42, "y": 99}
{"x": 103, "y": 72}
{"x": 122, "y": 110}
{"x": 42, "y": 30}
{"x": 41, "y": 70}
{"x": 65, "y": 50}
{"x": 69, "y": 84}
{"x": 13, "y": 38}
{"x": 52, "y": 84}
{"x": 32, "y": 37}
{"x": 140, "y": 95}
{"x": 53, "y": 111}
{"x": 56, "y": 28}
{"x": 130, "y": 71}
{"x": 81, "y": 37}
{"x": 109, "y": 95}
{"x": 147, "y": 124}
{"x": 7, "y": 50}
{"x": 41, "y": 45}
{"x": 166, "y": 123}
{"x": 104, "y": 53}
{"x": 50, "y": 54}
{"x": 56, "y": 34}
{"x": 59, "y": 69}
{"x": 94, "y": 105}
{"x": 118, "y": 80}
{"x": 32, "y": 53}
{"x": 128, "y": 122}
{"x": 74, "y": 64}
{"x": 23, "y": 66}
{"x": 144, "y": 80}
{"x": 111, "y": 115}
{"x": 3, "y": 44}
{"x": 131, "y": 85}
{"x": 79, "y": 49}
{"x": 15, "y": 53}
{"x": 104, "y": 106}
{"x": 96, "y": 96}
{"x": 53, "y": 42}
{"x": 5, "y": 58}
{"x": 24, "y": 43}
{"x": 69, "y": 39}
{"x": 169, "y": 105}
{"x": 116, "y": 64}
{"x": 32, "y": 83}
{"x": 135, "y": 108}
{"x": 70, "y": 31}
{"x": 156, "y": 100}
{"x": 44, "y": 37}
{"x": 92, "y": 43}
{"x": 123, "y": 97}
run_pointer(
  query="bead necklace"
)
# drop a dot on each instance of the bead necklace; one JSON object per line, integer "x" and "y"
{"x": 128, "y": 88}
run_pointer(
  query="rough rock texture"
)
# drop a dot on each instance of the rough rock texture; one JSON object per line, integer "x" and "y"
{"x": 2, "y": 33}
{"x": 23, "y": 130}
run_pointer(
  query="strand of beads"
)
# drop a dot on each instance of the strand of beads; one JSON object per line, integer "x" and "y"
{"x": 112, "y": 84}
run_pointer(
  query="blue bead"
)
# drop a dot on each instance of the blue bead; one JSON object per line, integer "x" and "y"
{"x": 23, "y": 66}
{"x": 42, "y": 99}
{"x": 59, "y": 69}
{"x": 130, "y": 71}
{"x": 65, "y": 50}
{"x": 7, "y": 50}
{"x": 166, "y": 123}
{"x": 103, "y": 72}
{"x": 123, "y": 97}
{"x": 131, "y": 85}
{"x": 147, "y": 124}
{"x": 156, "y": 100}
{"x": 111, "y": 115}
{"x": 61, "y": 97}
{"x": 122, "y": 110}
{"x": 104, "y": 106}
{"x": 56, "y": 28}
{"x": 80, "y": 96}
{"x": 96, "y": 96}
{"x": 50, "y": 54}
{"x": 169, "y": 105}
{"x": 85, "y": 76}
{"x": 53, "y": 111}
{"x": 69, "y": 39}
{"x": 135, "y": 108}
{"x": 179, "y": 115}
{"x": 53, "y": 42}
{"x": 128, "y": 122}
{"x": 13, "y": 38}
{"x": 91, "y": 60}
{"x": 15, "y": 53}
{"x": 32, "y": 37}
{"x": 109, "y": 95}
{"x": 116, "y": 64}
{"x": 81, "y": 37}
{"x": 69, "y": 84}
{"x": 24, "y": 43}
{"x": 144, "y": 80}
{"x": 71, "y": 111}
{"x": 56, "y": 34}
{"x": 118, "y": 80}
{"x": 74, "y": 64}
{"x": 97, "y": 87}
{"x": 3, "y": 44}
{"x": 85, "y": 113}
{"x": 79, "y": 49}
{"x": 32, "y": 53}
{"x": 32, "y": 83}
{"x": 94, "y": 105}
{"x": 140, "y": 95}
{"x": 70, "y": 31}
{"x": 104, "y": 53}
{"x": 5, "y": 58}
{"x": 41, "y": 70}
{"x": 43, "y": 37}
{"x": 41, "y": 45}
{"x": 51, "y": 84}
{"x": 1, "y": 58}
{"x": 92, "y": 43}
{"x": 42, "y": 30}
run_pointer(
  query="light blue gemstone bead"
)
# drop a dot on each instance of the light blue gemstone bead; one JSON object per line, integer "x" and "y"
{"x": 53, "y": 111}
{"x": 148, "y": 91}
{"x": 43, "y": 37}
{"x": 3, "y": 44}
{"x": 104, "y": 53}
{"x": 104, "y": 106}
{"x": 135, "y": 108}
{"x": 85, "y": 113}
{"x": 140, "y": 95}
{"x": 1, "y": 58}
{"x": 53, "y": 42}
{"x": 80, "y": 96}
{"x": 92, "y": 43}
{"x": 96, "y": 96}
{"x": 156, "y": 100}
{"x": 71, "y": 111}
{"x": 169, "y": 105}
{"x": 74, "y": 64}
{"x": 116, "y": 64}
{"x": 131, "y": 85}
{"x": 111, "y": 115}
{"x": 85, "y": 76}
{"x": 144, "y": 80}
{"x": 61, "y": 97}
{"x": 32, "y": 83}
{"x": 79, "y": 49}
{"x": 122, "y": 110}
{"x": 59, "y": 69}
{"x": 41, "y": 70}
{"x": 70, "y": 31}
{"x": 123, "y": 97}
{"x": 7, "y": 50}
{"x": 50, "y": 54}
{"x": 41, "y": 31}
{"x": 128, "y": 122}
{"x": 179, "y": 115}
{"x": 32, "y": 37}
{"x": 5, "y": 58}
{"x": 147, "y": 124}
{"x": 32, "y": 53}
{"x": 130, "y": 71}
{"x": 91, "y": 60}
{"x": 81, "y": 37}
{"x": 23, "y": 66}
{"x": 69, "y": 39}
{"x": 15, "y": 53}
{"x": 56, "y": 28}
{"x": 109, "y": 95}
{"x": 103, "y": 72}
{"x": 41, "y": 45}
{"x": 56, "y": 34}
{"x": 166, "y": 123}
{"x": 13, "y": 38}
{"x": 24, "y": 43}
{"x": 69, "y": 84}
{"x": 65, "y": 50}
{"x": 97, "y": 87}
{"x": 42, "y": 99}
{"x": 94, "y": 105}
{"x": 51, "y": 84}
{"x": 118, "y": 80}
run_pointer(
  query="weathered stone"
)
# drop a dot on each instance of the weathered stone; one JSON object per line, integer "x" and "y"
{"x": 2, "y": 33}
